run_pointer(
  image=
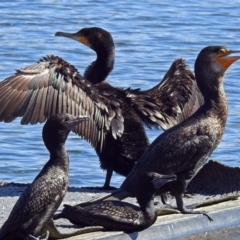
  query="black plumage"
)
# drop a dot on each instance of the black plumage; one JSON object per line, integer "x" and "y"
{"x": 37, "y": 204}
{"x": 54, "y": 86}
{"x": 183, "y": 149}
{"x": 215, "y": 178}
{"x": 166, "y": 104}
{"x": 117, "y": 215}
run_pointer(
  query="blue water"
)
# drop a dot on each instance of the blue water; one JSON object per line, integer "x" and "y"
{"x": 148, "y": 37}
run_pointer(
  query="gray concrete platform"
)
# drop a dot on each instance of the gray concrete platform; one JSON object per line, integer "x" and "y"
{"x": 173, "y": 226}
{"x": 177, "y": 226}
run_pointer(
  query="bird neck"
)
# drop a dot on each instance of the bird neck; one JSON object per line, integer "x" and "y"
{"x": 216, "y": 99}
{"x": 146, "y": 201}
{"x": 98, "y": 70}
{"x": 211, "y": 87}
{"x": 59, "y": 153}
{"x": 55, "y": 143}
{"x": 148, "y": 208}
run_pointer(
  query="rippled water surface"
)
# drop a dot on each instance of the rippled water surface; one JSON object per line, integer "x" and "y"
{"x": 148, "y": 37}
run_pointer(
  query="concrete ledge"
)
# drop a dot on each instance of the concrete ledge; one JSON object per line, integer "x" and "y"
{"x": 174, "y": 226}
{"x": 177, "y": 226}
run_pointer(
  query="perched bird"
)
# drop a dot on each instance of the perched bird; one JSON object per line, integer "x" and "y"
{"x": 164, "y": 105}
{"x": 117, "y": 215}
{"x": 37, "y": 204}
{"x": 53, "y": 86}
{"x": 183, "y": 149}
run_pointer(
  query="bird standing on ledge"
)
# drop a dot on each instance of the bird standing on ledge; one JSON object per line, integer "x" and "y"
{"x": 183, "y": 149}
{"x": 37, "y": 204}
{"x": 54, "y": 86}
{"x": 165, "y": 105}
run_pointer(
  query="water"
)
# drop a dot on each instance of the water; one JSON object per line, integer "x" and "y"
{"x": 148, "y": 37}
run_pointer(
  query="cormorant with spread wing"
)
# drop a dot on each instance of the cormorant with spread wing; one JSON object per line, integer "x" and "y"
{"x": 116, "y": 129}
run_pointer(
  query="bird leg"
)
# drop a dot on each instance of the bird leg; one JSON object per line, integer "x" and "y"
{"x": 158, "y": 183}
{"x": 177, "y": 188}
{"x": 184, "y": 210}
{"x": 164, "y": 199}
{"x": 106, "y": 185}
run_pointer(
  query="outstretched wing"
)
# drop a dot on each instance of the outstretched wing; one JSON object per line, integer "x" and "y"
{"x": 54, "y": 86}
{"x": 174, "y": 99}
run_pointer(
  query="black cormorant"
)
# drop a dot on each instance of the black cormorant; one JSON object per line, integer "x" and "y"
{"x": 118, "y": 215}
{"x": 183, "y": 149}
{"x": 165, "y": 96}
{"x": 53, "y": 86}
{"x": 37, "y": 204}
{"x": 100, "y": 41}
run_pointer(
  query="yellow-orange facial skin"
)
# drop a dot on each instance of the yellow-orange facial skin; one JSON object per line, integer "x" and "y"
{"x": 84, "y": 41}
{"x": 224, "y": 58}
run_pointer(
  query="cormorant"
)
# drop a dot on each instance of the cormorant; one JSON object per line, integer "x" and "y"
{"x": 117, "y": 215}
{"x": 183, "y": 149}
{"x": 100, "y": 41}
{"x": 171, "y": 99}
{"x": 53, "y": 86}
{"x": 37, "y": 204}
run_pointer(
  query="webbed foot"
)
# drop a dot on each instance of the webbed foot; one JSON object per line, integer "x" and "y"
{"x": 184, "y": 210}
{"x": 190, "y": 211}
{"x": 177, "y": 188}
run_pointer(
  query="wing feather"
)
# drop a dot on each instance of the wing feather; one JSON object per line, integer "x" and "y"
{"x": 170, "y": 101}
{"x": 53, "y": 86}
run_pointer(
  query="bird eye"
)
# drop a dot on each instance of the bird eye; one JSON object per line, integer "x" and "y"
{"x": 223, "y": 50}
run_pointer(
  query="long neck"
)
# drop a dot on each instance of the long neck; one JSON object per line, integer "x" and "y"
{"x": 59, "y": 153}
{"x": 211, "y": 87}
{"x": 214, "y": 97}
{"x": 98, "y": 70}
{"x": 145, "y": 199}
{"x": 148, "y": 207}
{"x": 55, "y": 143}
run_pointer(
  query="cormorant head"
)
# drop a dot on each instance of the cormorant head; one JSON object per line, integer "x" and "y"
{"x": 57, "y": 128}
{"x": 211, "y": 65}
{"x": 95, "y": 38}
{"x": 221, "y": 57}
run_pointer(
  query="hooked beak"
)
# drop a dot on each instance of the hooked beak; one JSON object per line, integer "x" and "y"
{"x": 75, "y": 36}
{"x": 226, "y": 59}
{"x": 74, "y": 122}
